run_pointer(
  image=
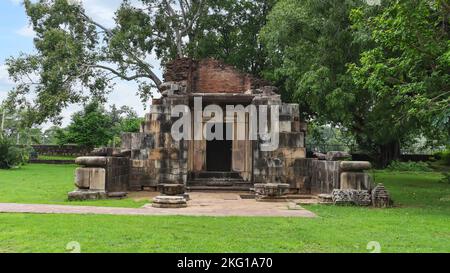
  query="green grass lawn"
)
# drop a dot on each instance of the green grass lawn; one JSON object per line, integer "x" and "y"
{"x": 47, "y": 184}
{"x": 419, "y": 223}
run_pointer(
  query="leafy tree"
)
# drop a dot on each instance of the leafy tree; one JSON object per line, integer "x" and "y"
{"x": 231, "y": 33}
{"x": 362, "y": 67}
{"x": 11, "y": 155}
{"x": 50, "y": 135}
{"x": 14, "y": 126}
{"x": 90, "y": 127}
{"x": 77, "y": 58}
{"x": 325, "y": 138}
{"x": 124, "y": 119}
{"x": 94, "y": 126}
{"x": 406, "y": 75}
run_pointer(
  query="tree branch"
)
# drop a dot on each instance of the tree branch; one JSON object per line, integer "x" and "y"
{"x": 117, "y": 73}
{"x": 177, "y": 31}
{"x": 196, "y": 15}
{"x": 87, "y": 18}
{"x": 128, "y": 51}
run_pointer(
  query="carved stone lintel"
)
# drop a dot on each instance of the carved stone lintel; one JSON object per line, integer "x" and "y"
{"x": 351, "y": 197}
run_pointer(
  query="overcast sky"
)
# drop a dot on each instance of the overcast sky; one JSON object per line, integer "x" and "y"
{"x": 17, "y": 36}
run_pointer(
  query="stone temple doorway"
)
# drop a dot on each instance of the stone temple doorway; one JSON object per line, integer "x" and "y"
{"x": 219, "y": 152}
{"x": 220, "y": 163}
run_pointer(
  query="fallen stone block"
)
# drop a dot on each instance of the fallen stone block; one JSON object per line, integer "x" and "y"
{"x": 271, "y": 191}
{"x": 337, "y": 156}
{"x": 325, "y": 198}
{"x": 353, "y": 166}
{"x": 91, "y": 161}
{"x": 320, "y": 156}
{"x": 117, "y": 194}
{"x": 82, "y": 195}
{"x": 381, "y": 197}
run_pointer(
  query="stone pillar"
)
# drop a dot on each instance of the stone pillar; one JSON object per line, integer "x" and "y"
{"x": 355, "y": 184}
{"x": 353, "y": 177}
{"x": 100, "y": 177}
{"x": 90, "y": 179}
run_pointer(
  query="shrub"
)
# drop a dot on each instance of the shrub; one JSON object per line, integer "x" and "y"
{"x": 445, "y": 157}
{"x": 10, "y": 155}
{"x": 446, "y": 178}
{"x": 409, "y": 166}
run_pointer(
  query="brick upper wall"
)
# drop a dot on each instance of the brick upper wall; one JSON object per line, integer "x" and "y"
{"x": 210, "y": 76}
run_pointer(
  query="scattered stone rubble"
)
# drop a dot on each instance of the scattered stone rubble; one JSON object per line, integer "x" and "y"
{"x": 325, "y": 198}
{"x": 351, "y": 197}
{"x": 381, "y": 197}
{"x": 271, "y": 192}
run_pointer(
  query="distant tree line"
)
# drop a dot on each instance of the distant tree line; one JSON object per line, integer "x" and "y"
{"x": 93, "y": 126}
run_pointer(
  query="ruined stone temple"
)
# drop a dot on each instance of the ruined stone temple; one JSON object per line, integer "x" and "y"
{"x": 152, "y": 157}
{"x": 238, "y": 164}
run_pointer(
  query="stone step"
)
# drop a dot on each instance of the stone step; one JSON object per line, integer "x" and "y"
{"x": 218, "y": 175}
{"x": 220, "y": 183}
{"x": 218, "y": 188}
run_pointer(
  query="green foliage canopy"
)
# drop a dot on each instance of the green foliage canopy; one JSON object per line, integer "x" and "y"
{"x": 380, "y": 71}
{"x": 78, "y": 58}
{"x": 95, "y": 127}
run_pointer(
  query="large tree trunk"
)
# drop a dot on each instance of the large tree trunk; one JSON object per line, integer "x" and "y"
{"x": 387, "y": 153}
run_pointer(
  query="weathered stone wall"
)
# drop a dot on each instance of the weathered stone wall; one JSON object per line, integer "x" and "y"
{"x": 117, "y": 174}
{"x": 324, "y": 176}
{"x": 210, "y": 76}
{"x": 66, "y": 150}
{"x": 155, "y": 157}
{"x": 283, "y": 165}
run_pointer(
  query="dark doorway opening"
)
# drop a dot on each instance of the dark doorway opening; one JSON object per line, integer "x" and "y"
{"x": 219, "y": 153}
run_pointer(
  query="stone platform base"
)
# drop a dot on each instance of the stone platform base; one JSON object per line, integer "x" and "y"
{"x": 81, "y": 195}
{"x": 272, "y": 198}
{"x": 117, "y": 195}
{"x": 325, "y": 199}
{"x": 169, "y": 202}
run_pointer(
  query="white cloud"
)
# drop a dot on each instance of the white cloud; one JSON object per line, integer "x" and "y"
{"x": 4, "y": 76}
{"x": 16, "y": 2}
{"x": 102, "y": 10}
{"x": 5, "y": 82}
{"x": 26, "y": 31}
